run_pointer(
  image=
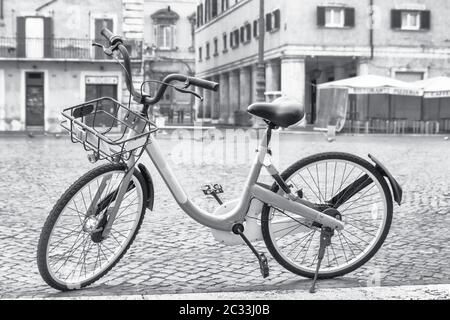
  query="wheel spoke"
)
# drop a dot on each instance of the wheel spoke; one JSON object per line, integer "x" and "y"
{"x": 72, "y": 255}
{"x": 363, "y": 212}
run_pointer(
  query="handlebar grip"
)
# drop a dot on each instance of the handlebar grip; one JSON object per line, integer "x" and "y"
{"x": 205, "y": 84}
{"x": 111, "y": 37}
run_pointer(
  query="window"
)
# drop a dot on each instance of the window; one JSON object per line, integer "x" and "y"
{"x": 273, "y": 21}
{"x": 246, "y": 33}
{"x": 411, "y": 20}
{"x": 214, "y": 8}
{"x": 242, "y": 34}
{"x": 164, "y": 37}
{"x": 409, "y": 76}
{"x": 224, "y": 5}
{"x": 35, "y": 37}
{"x": 200, "y": 15}
{"x": 335, "y": 17}
{"x": 164, "y": 21}
{"x": 234, "y": 39}
{"x": 200, "y": 54}
{"x": 207, "y": 10}
{"x": 225, "y": 42}
{"x": 216, "y": 47}
{"x": 207, "y": 51}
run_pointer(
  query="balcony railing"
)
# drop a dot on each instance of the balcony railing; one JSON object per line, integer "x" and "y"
{"x": 59, "y": 48}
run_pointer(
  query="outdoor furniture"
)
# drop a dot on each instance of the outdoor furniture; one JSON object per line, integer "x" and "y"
{"x": 445, "y": 124}
{"x": 418, "y": 126}
{"x": 379, "y": 125}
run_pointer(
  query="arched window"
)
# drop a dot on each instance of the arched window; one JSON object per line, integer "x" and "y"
{"x": 164, "y": 22}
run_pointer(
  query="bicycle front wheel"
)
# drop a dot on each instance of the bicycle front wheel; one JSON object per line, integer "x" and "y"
{"x": 345, "y": 184}
{"x": 71, "y": 251}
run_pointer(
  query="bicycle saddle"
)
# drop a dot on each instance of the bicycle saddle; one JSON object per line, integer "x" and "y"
{"x": 283, "y": 112}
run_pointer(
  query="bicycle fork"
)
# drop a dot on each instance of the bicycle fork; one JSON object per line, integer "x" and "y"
{"x": 121, "y": 191}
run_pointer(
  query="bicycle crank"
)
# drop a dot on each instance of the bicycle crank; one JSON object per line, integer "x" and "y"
{"x": 263, "y": 263}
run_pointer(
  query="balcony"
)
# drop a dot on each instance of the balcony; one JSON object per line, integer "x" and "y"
{"x": 59, "y": 48}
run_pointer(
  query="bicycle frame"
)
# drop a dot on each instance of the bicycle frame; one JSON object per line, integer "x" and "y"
{"x": 251, "y": 190}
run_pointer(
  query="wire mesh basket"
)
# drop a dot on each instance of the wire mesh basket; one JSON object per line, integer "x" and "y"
{"x": 107, "y": 128}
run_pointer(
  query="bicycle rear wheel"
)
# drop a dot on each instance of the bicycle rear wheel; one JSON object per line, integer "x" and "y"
{"x": 325, "y": 180}
{"x": 71, "y": 252}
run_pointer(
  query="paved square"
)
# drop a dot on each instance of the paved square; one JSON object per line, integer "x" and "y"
{"x": 174, "y": 254}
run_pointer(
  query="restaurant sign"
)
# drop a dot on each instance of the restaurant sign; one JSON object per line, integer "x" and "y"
{"x": 387, "y": 90}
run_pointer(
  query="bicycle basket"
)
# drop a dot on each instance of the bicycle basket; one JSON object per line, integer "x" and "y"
{"x": 109, "y": 129}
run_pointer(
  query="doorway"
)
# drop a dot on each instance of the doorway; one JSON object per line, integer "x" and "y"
{"x": 34, "y": 101}
{"x": 95, "y": 91}
{"x": 34, "y": 30}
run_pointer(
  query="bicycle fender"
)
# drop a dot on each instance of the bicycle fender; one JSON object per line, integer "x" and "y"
{"x": 150, "y": 189}
{"x": 397, "y": 192}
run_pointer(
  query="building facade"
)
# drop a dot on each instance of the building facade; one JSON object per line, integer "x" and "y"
{"x": 47, "y": 61}
{"x": 312, "y": 42}
{"x": 169, "y": 48}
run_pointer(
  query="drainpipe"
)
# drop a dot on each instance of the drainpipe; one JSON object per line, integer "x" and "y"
{"x": 1, "y": 9}
{"x": 372, "y": 46}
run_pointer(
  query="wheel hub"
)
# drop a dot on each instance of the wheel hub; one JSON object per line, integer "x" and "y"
{"x": 329, "y": 212}
{"x": 94, "y": 225}
{"x": 333, "y": 213}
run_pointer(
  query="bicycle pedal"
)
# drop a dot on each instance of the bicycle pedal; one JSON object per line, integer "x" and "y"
{"x": 213, "y": 190}
{"x": 263, "y": 265}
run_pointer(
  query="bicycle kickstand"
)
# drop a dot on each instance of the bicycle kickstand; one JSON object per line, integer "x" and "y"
{"x": 325, "y": 241}
{"x": 263, "y": 263}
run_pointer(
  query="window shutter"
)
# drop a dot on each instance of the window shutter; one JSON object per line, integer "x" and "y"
{"x": 396, "y": 19}
{"x": 201, "y": 14}
{"x": 20, "y": 37}
{"x": 173, "y": 36}
{"x": 268, "y": 21}
{"x": 198, "y": 16}
{"x": 255, "y": 28}
{"x": 242, "y": 31}
{"x": 48, "y": 37}
{"x": 425, "y": 20}
{"x": 321, "y": 16}
{"x": 276, "y": 19}
{"x": 349, "y": 17}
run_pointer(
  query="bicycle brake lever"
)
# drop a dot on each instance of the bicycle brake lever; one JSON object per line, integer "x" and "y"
{"x": 107, "y": 51}
{"x": 95, "y": 44}
{"x": 189, "y": 91}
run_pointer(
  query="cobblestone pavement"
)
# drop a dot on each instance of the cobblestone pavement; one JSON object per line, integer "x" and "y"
{"x": 173, "y": 254}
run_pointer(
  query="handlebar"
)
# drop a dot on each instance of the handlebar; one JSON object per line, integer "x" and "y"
{"x": 116, "y": 43}
{"x": 111, "y": 37}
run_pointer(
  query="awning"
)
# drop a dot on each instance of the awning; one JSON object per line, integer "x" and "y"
{"x": 438, "y": 87}
{"x": 372, "y": 84}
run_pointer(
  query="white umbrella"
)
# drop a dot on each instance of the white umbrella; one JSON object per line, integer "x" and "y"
{"x": 438, "y": 87}
{"x": 372, "y": 84}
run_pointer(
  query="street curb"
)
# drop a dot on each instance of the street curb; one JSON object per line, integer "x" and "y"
{"x": 418, "y": 292}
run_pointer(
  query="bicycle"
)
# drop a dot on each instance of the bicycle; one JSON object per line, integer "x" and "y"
{"x": 323, "y": 217}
